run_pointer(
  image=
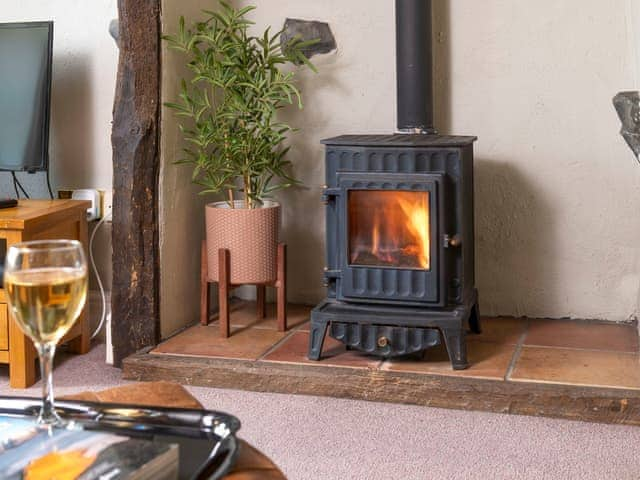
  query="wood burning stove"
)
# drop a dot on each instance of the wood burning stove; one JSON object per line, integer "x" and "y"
{"x": 399, "y": 223}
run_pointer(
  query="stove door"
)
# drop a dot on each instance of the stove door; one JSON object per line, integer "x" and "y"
{"x": 390, "y": 234}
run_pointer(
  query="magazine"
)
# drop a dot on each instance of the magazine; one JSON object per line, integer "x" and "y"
{"x": 32, "y": 453}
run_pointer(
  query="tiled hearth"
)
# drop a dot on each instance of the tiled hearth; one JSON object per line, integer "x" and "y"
{"x": 515, "y": 360}
{"x": 511, "y": 349}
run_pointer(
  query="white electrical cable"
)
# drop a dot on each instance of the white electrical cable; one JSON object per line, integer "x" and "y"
{"x": 95, "y": 270}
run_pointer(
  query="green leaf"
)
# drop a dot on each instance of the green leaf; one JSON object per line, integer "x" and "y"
{"x": 230, "y": 103}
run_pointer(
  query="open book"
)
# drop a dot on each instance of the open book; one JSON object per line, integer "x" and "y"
{"x": 29, "y": 452}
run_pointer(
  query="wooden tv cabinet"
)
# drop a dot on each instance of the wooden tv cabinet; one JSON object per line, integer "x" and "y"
{"x": 38, "y": 220}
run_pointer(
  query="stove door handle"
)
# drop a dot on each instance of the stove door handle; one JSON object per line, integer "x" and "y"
{"x": 452, "y": 241}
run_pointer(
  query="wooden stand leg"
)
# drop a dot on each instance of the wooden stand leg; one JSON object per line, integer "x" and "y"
{"x": 204, "y": 286}
{"x": 224, "y": 281}
{"x": 261, "y": 300}
{"x": 281, "y": 288}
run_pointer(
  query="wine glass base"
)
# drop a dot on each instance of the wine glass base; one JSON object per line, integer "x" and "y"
{"x": 50, "y": 418}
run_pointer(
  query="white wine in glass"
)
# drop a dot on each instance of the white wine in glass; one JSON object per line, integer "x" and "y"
{"x": 46, "y": 285}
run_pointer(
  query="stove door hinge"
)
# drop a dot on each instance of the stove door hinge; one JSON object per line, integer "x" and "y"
{"x": 329, "y": 194}
{"x": 331, "y": 275}
{"x": 452, "y": 241}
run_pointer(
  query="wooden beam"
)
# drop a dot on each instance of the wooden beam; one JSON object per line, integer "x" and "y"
{"x": 136, "y": 161}
{"x": 606, "y": 405}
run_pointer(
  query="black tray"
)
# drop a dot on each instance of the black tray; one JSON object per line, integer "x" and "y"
{"x": 208, "y": 445}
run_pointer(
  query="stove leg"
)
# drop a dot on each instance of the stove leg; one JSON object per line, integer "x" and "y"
{"x": 316, "y": 338}
{"x": 474, "y": 319}
{"x": 456, "y": 346}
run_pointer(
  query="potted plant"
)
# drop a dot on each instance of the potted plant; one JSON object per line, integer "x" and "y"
{"x": 236, "y": 142}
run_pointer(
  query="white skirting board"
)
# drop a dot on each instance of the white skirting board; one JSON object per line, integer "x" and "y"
{"x": 95, "y": 311}
{"x": 109, "y": 345}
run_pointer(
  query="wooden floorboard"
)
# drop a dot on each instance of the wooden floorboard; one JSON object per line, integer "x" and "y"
{"x": 594, "y": 404}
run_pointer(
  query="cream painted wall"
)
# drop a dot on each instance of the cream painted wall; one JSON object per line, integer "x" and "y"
{"x": 633, "y": 34}
{"x": 85, "y": 62}
{"x": 84, "y": 75}
{"x": 181, "y": 210}
{"x": 557, "y": 190}
{"x": 353, "y": 92}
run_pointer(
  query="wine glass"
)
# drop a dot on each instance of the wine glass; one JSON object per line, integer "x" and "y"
{"x": 46, "y": 286}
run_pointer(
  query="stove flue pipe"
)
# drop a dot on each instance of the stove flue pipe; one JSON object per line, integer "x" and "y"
{"x": 414, "y": 65}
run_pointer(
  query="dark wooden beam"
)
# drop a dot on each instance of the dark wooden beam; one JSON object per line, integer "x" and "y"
{"x": 606, "y": 405}
{"x": 136, "y": 161}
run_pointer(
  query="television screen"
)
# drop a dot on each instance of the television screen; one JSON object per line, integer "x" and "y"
{"x": 25, "y": 91}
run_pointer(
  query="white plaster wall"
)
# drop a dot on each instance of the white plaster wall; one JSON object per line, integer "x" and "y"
{"x": 557, "y": 190}
{"x": 181, "y": 210}
{"x": 85, "y": 62}
{"x": 353, "y": 92}
{"x": 84, "y": 73}
{"x": 633, "y": 34}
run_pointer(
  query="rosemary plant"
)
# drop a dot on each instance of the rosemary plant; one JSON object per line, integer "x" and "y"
{"x": 229, "y": 107}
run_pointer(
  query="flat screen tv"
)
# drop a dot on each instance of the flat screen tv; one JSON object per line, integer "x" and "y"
{"x": 25, "y": 95}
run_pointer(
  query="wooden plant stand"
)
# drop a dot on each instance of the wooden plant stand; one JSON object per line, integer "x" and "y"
{"x": 225, "y": 285}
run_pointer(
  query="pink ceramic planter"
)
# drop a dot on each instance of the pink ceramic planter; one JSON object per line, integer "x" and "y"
{"x": 250, "y": 235}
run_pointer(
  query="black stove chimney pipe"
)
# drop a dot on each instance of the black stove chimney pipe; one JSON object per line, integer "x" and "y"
{"x": 414, "y": 66}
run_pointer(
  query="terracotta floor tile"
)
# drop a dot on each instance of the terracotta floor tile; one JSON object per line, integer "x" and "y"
{"x": 243, "y": 314}
{"x": 334, "y": 353}
{"x": 305, "y": 327}
{"x": 244, "y": 343}
{"x": 581, "y": 334}
{"x": 501, "y": 329}
{"x": 487, "y": 360}
{"x": 577, "y": 367}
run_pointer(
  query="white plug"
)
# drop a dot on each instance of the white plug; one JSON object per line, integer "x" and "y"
{"x": 93, "y": 212}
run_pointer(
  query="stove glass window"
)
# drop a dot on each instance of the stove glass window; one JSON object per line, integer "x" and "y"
{"x": 389, "y": 228}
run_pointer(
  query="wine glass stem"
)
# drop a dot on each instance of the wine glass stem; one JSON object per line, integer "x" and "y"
{"x": 48, "y": 413}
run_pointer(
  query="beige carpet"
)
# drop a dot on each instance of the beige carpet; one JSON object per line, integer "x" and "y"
{"x": 324, "y": 438}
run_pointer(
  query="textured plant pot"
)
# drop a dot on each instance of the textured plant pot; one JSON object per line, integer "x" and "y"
{"x": 250, "y": 235}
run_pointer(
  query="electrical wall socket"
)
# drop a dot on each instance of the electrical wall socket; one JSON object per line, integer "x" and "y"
{"x": 93, "y": 212}
{"x": 101, "y": 208}
{"x": 65, "y": 193}
{"x": 103, "y": 205}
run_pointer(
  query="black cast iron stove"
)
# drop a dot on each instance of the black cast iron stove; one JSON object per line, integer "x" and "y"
{"x": 399, "y": 223}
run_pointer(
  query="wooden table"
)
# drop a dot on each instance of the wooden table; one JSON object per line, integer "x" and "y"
{"x": 38, "y": 220}
{"x": 251, "y": 463}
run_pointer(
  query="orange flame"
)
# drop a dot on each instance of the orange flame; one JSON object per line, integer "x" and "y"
{"x": 390, "y": 228}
